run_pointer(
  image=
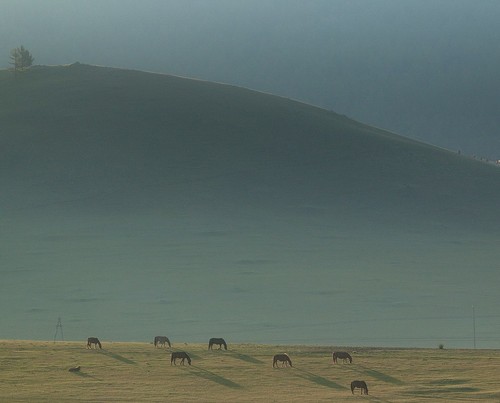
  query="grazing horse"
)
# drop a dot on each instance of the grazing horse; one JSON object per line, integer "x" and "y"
{"x": 284, "y": 358}
{"x": 219, "y": 341}
{"x": 162, "y": 341}
{"x": 359, "y": 384}
{"x": 74, "y": 369}
{"x": 182, "y": 355}
{"x": 95, "y": 341}
{"x": 342, "y": 355}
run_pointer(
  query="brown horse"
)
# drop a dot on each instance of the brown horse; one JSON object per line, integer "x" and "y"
{"x": 95, "y": 341}
{"x": 162, "y": 341}
{"x": 342, "y": 355}
{"x": 359, "y": 384}
{"x": 182, "y": 355}
{"x": 283, "y": 358}
{"x": 219, "y": 341}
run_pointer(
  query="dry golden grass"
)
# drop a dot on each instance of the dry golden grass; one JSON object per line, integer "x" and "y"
{"x": 138, "y": 372}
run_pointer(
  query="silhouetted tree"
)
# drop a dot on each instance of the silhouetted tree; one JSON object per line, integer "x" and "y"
{"x": 21, "y": 58}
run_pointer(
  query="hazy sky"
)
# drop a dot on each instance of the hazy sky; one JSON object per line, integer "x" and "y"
{"x": 423, "y": 68}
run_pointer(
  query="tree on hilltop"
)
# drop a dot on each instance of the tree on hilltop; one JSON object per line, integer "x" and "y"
{"x": 21, "y": 58}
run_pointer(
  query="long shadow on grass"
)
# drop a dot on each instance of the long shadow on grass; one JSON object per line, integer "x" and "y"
{"x": 446, "y": 382}
{"x": 85, "y": 375}
{"x": 318, "y": 379}
{"x": 117, "y": 357}
{"x": 211, "y": 376}
{"x": 377, "y": 375}
{"x": 246, "y": 358}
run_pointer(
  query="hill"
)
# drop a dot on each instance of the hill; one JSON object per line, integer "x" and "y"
{"x": 137, "y": 198}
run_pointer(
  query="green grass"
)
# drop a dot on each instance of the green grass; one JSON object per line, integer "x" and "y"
{"x": 137, "y": 372}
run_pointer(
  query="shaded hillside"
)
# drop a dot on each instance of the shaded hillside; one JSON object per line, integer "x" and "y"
{"x": 135, "y": 202}
{"x": 100, "y": 135}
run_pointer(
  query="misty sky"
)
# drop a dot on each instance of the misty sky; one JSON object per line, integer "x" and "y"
{"x": 423, "y": 68}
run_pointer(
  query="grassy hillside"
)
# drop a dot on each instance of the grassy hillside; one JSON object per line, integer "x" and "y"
{"x": 97, "y": 133}
{"x": 133, "y": 202}
{"x": 136, "y": 372}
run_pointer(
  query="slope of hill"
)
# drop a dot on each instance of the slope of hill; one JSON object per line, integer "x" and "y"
{"x": 131, "y": 197}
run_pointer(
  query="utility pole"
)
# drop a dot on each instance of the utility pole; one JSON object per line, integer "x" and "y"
{"x": 59, "y": 329}
{"x": 474, "y": 325}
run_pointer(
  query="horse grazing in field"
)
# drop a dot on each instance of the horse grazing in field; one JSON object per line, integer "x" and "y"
{"x": 95, "y": 341}
{"x": 359, "y": 384}
{"x": 182, "y": 355}
{"x": 283, "y": 358}
{"x": 162, "y": 341}
{"x": 219, "y": 341}
{"x": 342, "y": 355}
{"x": 74, "y": 369}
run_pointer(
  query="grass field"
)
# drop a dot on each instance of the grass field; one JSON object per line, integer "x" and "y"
{"x": 134, "y": 372}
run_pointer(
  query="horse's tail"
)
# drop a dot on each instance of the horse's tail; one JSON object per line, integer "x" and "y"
{"x": 334, "y": 356}
{"x": 210, "y": 344}
{"x": 156, "y": 341}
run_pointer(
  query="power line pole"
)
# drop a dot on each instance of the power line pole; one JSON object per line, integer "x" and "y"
{"x": 474, "y": 325}
{"x": 59, "y": 329}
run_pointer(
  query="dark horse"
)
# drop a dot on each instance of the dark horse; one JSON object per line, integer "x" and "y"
{"x": 182, "y": 355}
{"x": 219, "y": 341}
{"x": 284, "y": 358}
{"x": 95, "y": 341}
{"x": 359, "y": 384}
{"x": 342, "y": 355}
{"x": 162, "y": 341}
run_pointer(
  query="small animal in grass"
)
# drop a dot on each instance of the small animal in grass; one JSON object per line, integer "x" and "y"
{"x": 74, "y": 369}
{"x": 360, "y": 385}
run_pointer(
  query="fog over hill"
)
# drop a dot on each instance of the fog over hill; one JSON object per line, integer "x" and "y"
{"x": 426, "y": 69}
{"x": 136, "y": 203}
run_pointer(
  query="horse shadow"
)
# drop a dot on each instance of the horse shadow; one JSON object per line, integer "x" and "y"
{"x": 317, "y": 379}
{"x": 85, "y": 375}
{"x": 378, "y": 375}
{"x": 118, "y": 357}
{"x": 211, "y": 376}
{"x": 246, "y": 358}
